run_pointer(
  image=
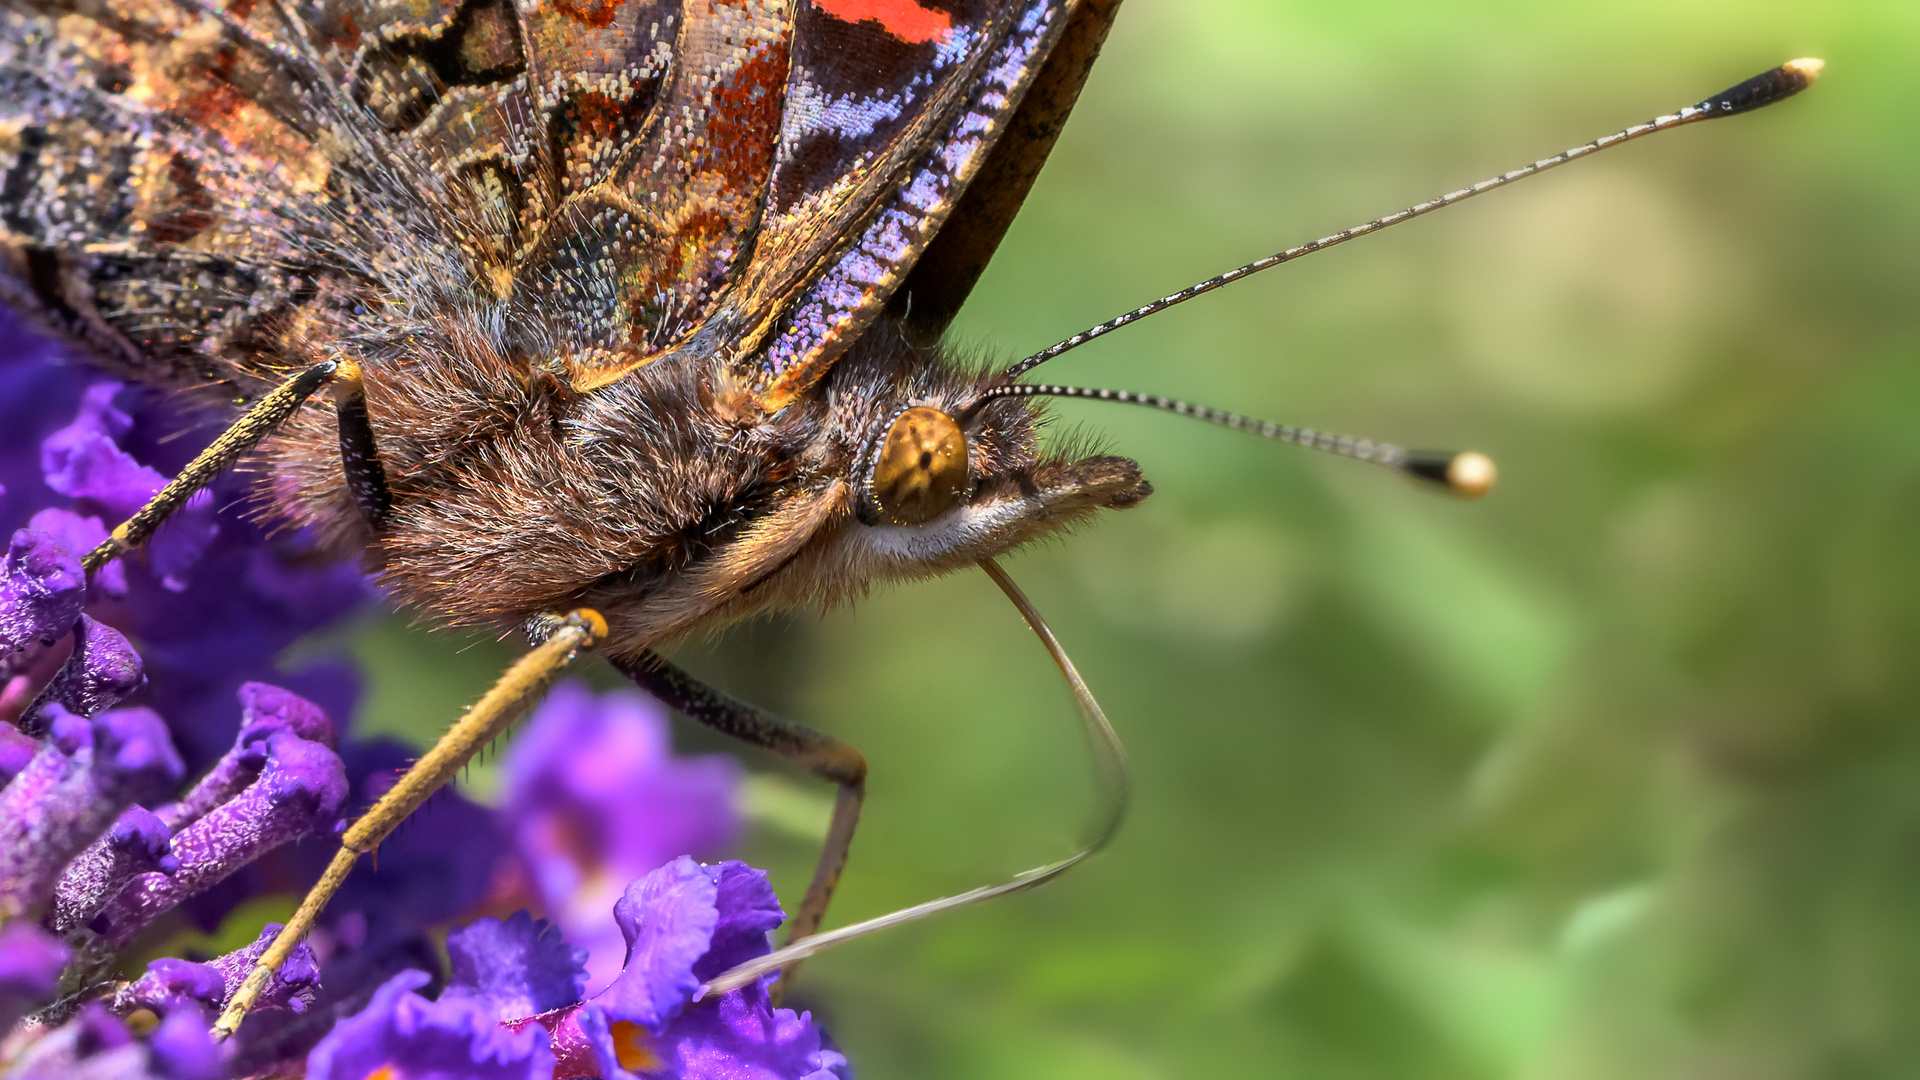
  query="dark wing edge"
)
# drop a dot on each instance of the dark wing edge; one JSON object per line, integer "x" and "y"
{"x": 933, "y": 293}
{"x": 783, "y": 362}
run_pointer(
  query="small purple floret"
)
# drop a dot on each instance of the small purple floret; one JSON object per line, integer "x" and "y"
{"x": 299, "y": 793}
{"x": 749, "y": 911}
{"x": 265, "y": 707}
{"x": 454, "y": 1038}
{"x": 84, "y": 461}
{"x": 597, "y": 798}
{"x": 181, "y": 1048}
{"x": 264, "y": 710}
{"x": 668, "y": 919}
{"x": 30, "y": 963}
{"x": 100, "y": 674}
{"x": 138, "y": 843}
{"x": 170, "y": 983}
{"x": 293, "y": 987}
{"x": 81, "y": 535}
{"x": 683, "y": 923}
{"x": 71, "y": 791}
{"x": 516, "y": 968}
{"x": 41, "y": 590}
{"x": 16, "y": 749}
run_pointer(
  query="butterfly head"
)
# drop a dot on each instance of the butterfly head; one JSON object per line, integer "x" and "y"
{"x": 939, "y": 478}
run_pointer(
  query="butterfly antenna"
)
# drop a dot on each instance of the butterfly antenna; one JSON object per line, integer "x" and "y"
{"x": 1115, "y": 789}
{"x": 1764, "y": 89}
{"x": 1467, "y": 473}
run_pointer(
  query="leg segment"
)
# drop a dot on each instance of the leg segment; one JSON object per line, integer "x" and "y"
{"x": 244, "y": 435}
{"x": 359, "y": 457}
{"x": 486, "y": 720}
{"x": 366, "y": 479}
{"x": 823, "y": 755}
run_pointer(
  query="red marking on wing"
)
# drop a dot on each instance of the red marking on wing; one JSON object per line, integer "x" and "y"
{"x": 744, "y": 121}
{"x": 903, "y": 19}
{"x": 597, "y": 14}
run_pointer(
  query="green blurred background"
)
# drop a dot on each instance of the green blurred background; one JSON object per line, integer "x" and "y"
{"x": 1616, "y": 773}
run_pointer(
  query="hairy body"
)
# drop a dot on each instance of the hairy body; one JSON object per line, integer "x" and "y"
{"x": 514, "y": 496}
{"x": 608, "y": 360}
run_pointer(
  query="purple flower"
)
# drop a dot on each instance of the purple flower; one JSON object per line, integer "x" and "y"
{"x": 30, "y": 963}
{"x": 82, "y": 772}
{"x": 84, "y": 461}
{"x": 403, "y": 1035}
{"x": 264, "y": 710}
{"x": 96, "y": 1045}
{"x": 138, "y": 843}
{"x": 211, "y": 602}
{"x": 719, "y": 916}
{"x": 516, "y": 968}
{"x": 683, "y": 924}
{"x": 76, "y": 786}
{"x": 596, "y": 798}
{"x": 100, "y": 673}
{"x": 169, "y": 984}
{"x": 292, "y": 987}
{"x": 41, "y": 592}
{"x": 81, "y": 535}
{"x": 298, "y": 793}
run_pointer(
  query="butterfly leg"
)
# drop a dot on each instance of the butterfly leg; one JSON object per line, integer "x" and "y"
{"x": 359, "y": 456}
{"x": 489, "y": 717}
{"x": 365, "y": 477}
{"x": 823, "y": 755}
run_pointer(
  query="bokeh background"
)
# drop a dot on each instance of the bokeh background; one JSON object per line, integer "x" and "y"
{"x": 1616, "y": 773}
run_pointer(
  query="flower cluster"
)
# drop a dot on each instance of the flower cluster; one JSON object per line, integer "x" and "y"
{"x": 514, "y": 1007}
{"x": 139, "y": 807}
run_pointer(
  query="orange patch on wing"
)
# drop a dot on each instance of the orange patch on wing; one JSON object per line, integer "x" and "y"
{"x": 743, "y": 124}
{"x": 384, "y": 1072}
{"x": 630, "y": 1047}
{"x": 597, "y": 14}
{"x": 903, "y": 19}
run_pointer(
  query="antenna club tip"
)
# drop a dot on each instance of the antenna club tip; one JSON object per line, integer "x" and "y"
{"x": 1471, "y": 474}
{"x": 1763, "y": 89}
{"x": 1468, "y": 474}
{"x": 1807, "y": 67}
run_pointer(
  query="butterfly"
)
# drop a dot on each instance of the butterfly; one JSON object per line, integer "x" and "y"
{"x": 629, "y": 310}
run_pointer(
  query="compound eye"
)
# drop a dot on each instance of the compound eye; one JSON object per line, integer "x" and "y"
{"x": 921, "y": 470}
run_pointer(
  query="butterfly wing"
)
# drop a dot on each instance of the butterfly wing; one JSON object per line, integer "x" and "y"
{"x": 945, "y": 273}
{"x": 203, "y": 193}
{"x": 211, "y": 194}
{"x": 813, "y": 290}
{"x": 738, "y": 231}
{"x": 130, "y": 217}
